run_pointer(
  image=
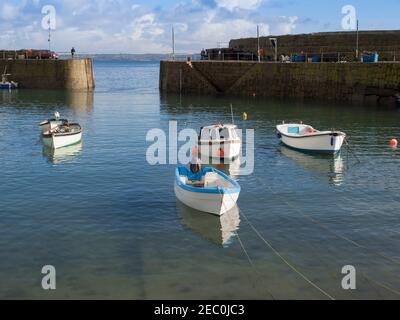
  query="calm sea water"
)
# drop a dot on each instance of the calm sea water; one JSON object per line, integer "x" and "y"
{"x": 110, "y": 224}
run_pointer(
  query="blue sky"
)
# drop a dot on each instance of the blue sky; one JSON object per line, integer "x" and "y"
{"x": 138, "y": 26}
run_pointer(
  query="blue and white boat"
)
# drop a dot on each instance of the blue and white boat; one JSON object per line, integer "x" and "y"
{"x": 7, "y": 85}
{"x": 306, "y": 138}
{"x": 209, "y": 190}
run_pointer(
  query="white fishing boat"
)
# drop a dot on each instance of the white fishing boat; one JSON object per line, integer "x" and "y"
{"x": 219, "y": 141}
{"x": 306, "y": 138}
{"x": 5, "y": 84}
{"x": 209, "y": 190}
{"x": 50, "y": 124}
{"x": 62, "y": 136}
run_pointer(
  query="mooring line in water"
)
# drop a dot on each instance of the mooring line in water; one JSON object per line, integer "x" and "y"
{"x": 374, "y": 212}
{"x": 383, "y": 285}
{"x": 350, "y": 150}
{"x": 243, "y": 247}
{"x": 280, "y": 256}
{"x": 313, "y": 220}
{"x": 346, "y": 239}
{"x": 251, "y": 262}
{"x": 285, "y": 260}
{"x": 351, "y": 241}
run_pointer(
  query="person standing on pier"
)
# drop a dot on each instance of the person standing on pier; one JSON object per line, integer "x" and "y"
{"x": 72, "y": 52}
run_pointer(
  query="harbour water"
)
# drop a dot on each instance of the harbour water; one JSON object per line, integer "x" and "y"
{"x": 109, "y": 222}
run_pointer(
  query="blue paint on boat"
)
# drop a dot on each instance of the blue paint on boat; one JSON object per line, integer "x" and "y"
{"x": 7, "y": 86}
{"x": 183, "y": 171}
{"x": 312, "y": 150}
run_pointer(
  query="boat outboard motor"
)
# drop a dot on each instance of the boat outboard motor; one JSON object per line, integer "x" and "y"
{"x": 195, "y": 163}
{"x": 195, "y": 167}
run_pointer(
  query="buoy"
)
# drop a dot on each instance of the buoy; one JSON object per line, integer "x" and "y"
{"x": 393, "y": 143}
{"x": 244, "y": 116}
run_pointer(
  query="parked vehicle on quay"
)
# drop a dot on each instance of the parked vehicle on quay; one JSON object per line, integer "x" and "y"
{"x": 30, "y": 54}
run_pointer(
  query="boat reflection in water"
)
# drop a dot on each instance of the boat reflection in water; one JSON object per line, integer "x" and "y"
{"x": 7, "y": 96}
{"x": 219, "y": 230}
{"x": 227, "y": 166}
{"x": 62, "y": 155}
{"x": 332, "y": 168}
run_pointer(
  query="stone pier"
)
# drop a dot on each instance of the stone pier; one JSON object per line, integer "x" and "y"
{"x": 74, "y": 74}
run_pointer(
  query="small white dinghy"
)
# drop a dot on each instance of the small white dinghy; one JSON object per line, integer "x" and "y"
{"x": 50, "y": 124}
{"x": 209, "y": 190}
{"x": 306, "y": 138}
{"x": 219, "y": 141}
{"x": 5, "y": 84}
{"x": 62, "y": 136}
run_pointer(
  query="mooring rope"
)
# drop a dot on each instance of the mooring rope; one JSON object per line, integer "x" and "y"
{"x": 385, "y": 286}
{"x": 373, "y": 212}
{"x": 291, "y": 266}
{"x": 350, "y": 150}
{"x": 242, "y": 245}
{"x": 344, "y": 238}
{"x": 313, "y": 220}
{"x": 285, "y": 260}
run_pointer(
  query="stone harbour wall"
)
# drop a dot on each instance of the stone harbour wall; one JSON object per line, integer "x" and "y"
{"x": 74, "y": 74}
{"x": 335, "y": 81}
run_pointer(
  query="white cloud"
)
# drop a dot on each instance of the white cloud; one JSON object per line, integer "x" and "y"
{"x": 146, "y": 26}
{"x": 135, "y": 6}
{"x": 8, "y": 11}
{"x": 113, "y": 26}
{"x": 239, "y": 4}
{"x": 285, "y": 25}
{"x": 221, "y": 32}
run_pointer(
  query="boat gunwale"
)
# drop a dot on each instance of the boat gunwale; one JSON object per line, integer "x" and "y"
{"x": 53, "y": 134}
{"x": 309, "y": 135}
{"x": 214, "y": 190}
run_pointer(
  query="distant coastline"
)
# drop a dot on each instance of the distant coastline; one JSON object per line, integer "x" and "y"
{"x": 131, "y": 57}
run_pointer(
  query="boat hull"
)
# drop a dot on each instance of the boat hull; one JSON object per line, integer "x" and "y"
{"x": 7, "y": 86}
{"x": 59, "y": 141}
{"x": 226, "y": 150}
{"x": 322, "y": 143}
{"x": 306, "y": 138}
{"x": 213, "y": 203}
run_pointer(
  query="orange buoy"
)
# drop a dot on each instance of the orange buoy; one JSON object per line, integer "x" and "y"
{"x": 393, "y": 143}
